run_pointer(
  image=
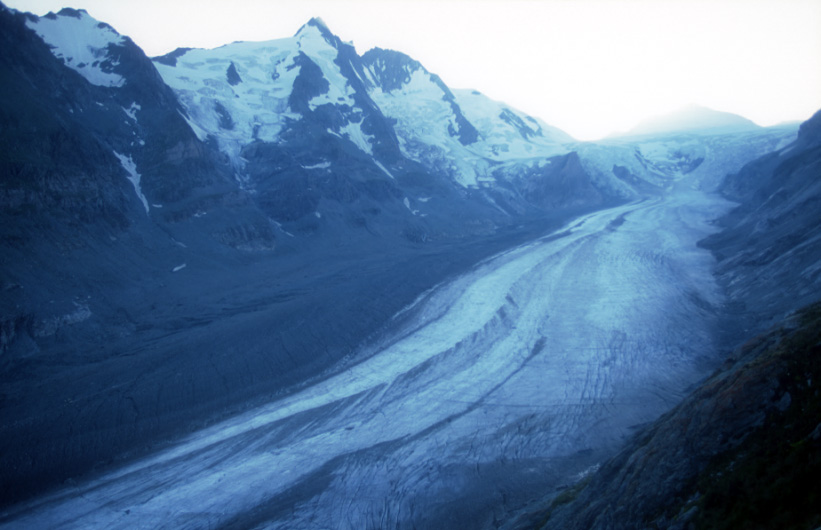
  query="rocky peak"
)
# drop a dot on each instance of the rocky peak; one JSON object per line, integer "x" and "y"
{"x": 390, "y": 69}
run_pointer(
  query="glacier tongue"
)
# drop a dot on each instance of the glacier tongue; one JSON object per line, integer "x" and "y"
{"x": 520, "y": 373}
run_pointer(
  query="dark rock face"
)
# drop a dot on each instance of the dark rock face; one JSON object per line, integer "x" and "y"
{"x": 392, "y": 69}
{"x": 233, "y": 77}
{"x": 308, "y": 84}
{"x": 170, "y": 59}
{"x": 527, "y": 131}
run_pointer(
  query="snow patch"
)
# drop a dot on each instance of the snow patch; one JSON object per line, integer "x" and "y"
{"x": 134, "y": 177}
{"x": 131, "y": 111}
{"x": 321, "y": 165}
{"x": 353, "y": 131}
{"x": 49, "y": 326}
{"x": 279, "y": 225}
{"x": 383, "y": 168}
{"x": 406, "y": 202}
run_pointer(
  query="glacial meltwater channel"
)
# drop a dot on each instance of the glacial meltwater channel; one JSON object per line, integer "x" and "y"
{"x": 492, "y": 389}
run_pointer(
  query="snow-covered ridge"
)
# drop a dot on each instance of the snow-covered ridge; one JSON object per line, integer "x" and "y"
{"x": 430, "y": 119}
{"x": 242, "y": 92}
{"x": 312, "y": 43}
{"x": 82, "y": 43}
{"x": 506, "y": 132}
{"x": 246, "y": 91}
{"x": 254, "y": 109}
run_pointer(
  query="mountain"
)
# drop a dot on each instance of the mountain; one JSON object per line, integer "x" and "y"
{"x": 694, "y": 119}
{"x": 177, "y": 231}
{"x": 190, "y": 236}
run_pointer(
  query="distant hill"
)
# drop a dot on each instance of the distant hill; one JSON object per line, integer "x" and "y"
{"x": 694, "y": 119}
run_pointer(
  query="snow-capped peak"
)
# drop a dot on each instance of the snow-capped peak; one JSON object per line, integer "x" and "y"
{"x": 82, "y": 43}
{"x": 317, "y": 28}
{"x": 248, "y": 91}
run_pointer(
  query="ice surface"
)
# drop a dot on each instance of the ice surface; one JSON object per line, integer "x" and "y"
{"x": 82, "y": 45}
{"x": 425, "y": 119}
{"x": 134, "y": 177}
{"x": 526, "y": 363}
{"x": 501, "y": 140}
{"x": 257, "y": 107}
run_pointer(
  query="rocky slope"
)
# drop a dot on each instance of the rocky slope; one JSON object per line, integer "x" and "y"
{"x": 770, "y": 247}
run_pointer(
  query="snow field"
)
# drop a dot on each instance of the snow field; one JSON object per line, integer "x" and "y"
{"x": 82, "y": 45}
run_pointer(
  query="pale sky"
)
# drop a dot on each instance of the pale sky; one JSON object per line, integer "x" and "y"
{"x": 589, "y": 67}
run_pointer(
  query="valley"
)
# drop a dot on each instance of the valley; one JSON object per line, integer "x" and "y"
{"x": 280, "y": 284}
{"x": 509, "y": 379}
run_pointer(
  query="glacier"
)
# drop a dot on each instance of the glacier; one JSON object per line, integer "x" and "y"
{"x": 513, "y": 377}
